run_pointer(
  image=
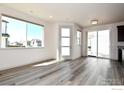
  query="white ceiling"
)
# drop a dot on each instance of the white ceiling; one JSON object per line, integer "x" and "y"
{"x": 80, "y": 13}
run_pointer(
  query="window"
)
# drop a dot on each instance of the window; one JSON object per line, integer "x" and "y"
{"x": 17, "y": 33}
{"x": 78, "y": 37}
{"x": 65, "y": 41}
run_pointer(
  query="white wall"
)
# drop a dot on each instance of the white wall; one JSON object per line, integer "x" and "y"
{"x": 113, "y": 38}
{"x": 16, "y": 57}
{"x": 10, "y": 58}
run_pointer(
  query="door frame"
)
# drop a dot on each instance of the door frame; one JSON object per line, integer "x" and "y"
{"x": 60, "y": 53}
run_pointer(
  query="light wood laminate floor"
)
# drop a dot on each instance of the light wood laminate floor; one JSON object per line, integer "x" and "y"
{"x": 82, "y": 71}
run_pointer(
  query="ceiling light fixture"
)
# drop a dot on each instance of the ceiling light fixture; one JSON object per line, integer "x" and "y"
{"x": 94, "y": 22}
{"x": 50, "y": 16}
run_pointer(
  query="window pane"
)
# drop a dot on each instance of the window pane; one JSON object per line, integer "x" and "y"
{"x": 78, "y": 41}
{"x": 65, "y": 51}
{"x": 78, "y": 34}
{"x": 65, "y": 32}
{"x": 78, "y": 37}
{"x": 92, "y": 43}
{"x": 34, "y": 35}
{"x": 13, "y": 33}
{"x": 65, "y": 42}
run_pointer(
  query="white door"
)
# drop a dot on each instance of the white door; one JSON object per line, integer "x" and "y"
{"x": 65, "y": 43}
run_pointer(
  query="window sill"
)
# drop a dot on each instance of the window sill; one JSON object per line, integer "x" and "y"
{"x": 21, "y": 48}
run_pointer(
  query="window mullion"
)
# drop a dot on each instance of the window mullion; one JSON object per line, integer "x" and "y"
{"x": 26, "y": 34}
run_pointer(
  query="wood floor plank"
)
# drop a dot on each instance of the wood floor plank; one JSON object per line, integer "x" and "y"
{"x": 82, "y": 71}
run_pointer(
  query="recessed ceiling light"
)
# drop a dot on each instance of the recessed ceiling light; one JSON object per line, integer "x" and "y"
{"x": 94, "y": 22}
{"x": 50, "y": 16}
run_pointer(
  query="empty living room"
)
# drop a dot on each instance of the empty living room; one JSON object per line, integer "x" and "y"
{"x": 61, "y": 44}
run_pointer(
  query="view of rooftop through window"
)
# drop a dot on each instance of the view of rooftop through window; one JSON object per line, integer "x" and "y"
{"x": 17, "y": 33}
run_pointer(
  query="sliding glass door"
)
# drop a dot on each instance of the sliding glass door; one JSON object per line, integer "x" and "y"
{"x": 103, "y": 43}
{"x": 98, "y": 43}
{"x": 92, "y": 43}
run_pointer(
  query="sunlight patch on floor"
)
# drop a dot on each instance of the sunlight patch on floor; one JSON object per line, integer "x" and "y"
{"x": 45, "y": 64}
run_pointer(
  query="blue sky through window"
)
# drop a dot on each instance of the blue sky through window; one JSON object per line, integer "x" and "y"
{"x": 17, "y": 30}
{"x": 34, "y": 31}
